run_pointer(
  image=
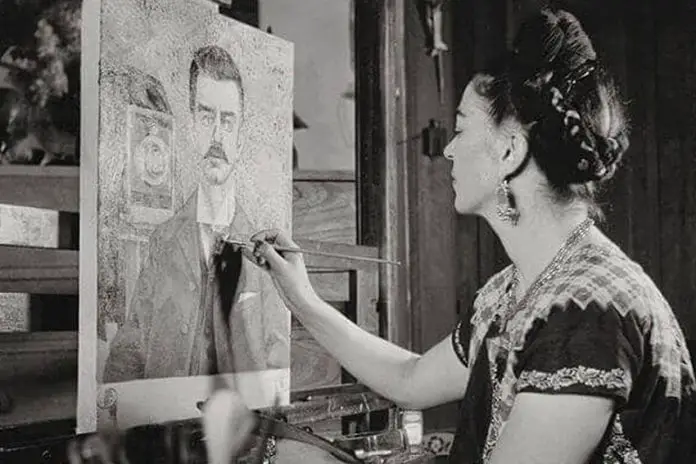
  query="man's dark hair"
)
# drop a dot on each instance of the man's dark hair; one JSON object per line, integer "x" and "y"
{"x": 214, "y": 62}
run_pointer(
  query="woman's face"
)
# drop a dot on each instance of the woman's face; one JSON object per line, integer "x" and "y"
{"x": 475, "y": 151}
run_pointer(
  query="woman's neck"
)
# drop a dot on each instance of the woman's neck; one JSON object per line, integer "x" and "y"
{"x": 537, "y": 238}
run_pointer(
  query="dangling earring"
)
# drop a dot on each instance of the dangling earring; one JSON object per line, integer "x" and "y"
{"x": 507, "y": 206}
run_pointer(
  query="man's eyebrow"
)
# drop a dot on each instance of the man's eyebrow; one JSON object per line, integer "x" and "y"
{"x": 227, "y": 113}
{"x": 460, "y": 113}
{"x": 202, "y": 107}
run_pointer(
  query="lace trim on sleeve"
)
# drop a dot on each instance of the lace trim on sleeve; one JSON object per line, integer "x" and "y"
{"x": 459, "y": 348}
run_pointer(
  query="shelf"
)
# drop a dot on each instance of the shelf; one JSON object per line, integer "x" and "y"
{"x": 39, "y": 372}
{"x": 38, "y": 270}
{"x": 305, "y": 175}
{"x": 48, "y": 187}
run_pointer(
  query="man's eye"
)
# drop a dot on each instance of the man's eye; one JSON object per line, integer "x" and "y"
{"x": 227, "y": 123}
{"x": 206, "y": 119}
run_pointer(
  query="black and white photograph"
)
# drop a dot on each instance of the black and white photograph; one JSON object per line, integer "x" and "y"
{"x": 347, "y": 231}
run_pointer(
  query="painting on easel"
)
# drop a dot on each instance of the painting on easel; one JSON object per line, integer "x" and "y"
{"x": 186, "y": 138}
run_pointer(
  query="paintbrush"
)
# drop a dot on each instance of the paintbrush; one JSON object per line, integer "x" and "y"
{"x": 278, "y": 248}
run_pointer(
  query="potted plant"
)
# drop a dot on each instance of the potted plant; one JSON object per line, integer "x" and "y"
{"x": 39, "y": 81}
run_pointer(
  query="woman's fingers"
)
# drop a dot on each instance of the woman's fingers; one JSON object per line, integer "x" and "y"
{"x": 275, "y": 237}
{"x": 259, "y": 254}
{"x": 266, "y": 243}
{"x": 254, "y": 257}
{"x": 266, "y": 254}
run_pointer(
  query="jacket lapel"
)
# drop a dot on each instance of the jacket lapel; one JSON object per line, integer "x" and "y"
{"x": 241, "y": 229}
{"x": 238, "y": 349}
{"x": 188, "y": 237}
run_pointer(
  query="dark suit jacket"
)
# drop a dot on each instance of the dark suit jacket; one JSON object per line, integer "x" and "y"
{"x": 158, "y": 338}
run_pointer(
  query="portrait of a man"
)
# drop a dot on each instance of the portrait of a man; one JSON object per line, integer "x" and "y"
{"x": 198, "y": 307}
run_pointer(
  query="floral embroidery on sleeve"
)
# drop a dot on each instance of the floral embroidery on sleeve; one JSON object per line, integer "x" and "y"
{"x": 620, "y": 450}
{"x": 614, "y": 379}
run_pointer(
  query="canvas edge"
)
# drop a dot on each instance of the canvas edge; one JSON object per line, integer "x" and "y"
{"x": 89, "y": 177}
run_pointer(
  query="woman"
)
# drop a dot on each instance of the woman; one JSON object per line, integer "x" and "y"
{"x": 572, "y": 354}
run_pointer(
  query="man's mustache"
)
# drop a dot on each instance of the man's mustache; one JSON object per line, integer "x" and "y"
{"x": 216, "y": 151}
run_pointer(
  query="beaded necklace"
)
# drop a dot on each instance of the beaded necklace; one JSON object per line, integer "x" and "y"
{"x": 512, "y": 307}
{"x": 509, "y": 308}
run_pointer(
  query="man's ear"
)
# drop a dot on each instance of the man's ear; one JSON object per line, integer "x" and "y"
{"x": 241, "y": 145}
{"x": 241, "y": 138}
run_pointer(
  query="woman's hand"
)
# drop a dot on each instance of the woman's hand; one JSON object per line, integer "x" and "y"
{"x": 287, "y": 270}
{"x": 99, "y": 448}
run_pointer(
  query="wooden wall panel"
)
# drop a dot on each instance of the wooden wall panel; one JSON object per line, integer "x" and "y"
{"x": 324, "y": 211}
{"x": 676, "y": 152}
{"x": 431, "y": 214}
{"x": 311, "y": 365}
{"x": 642, "y": 160}
{"x": 352, "y": 288}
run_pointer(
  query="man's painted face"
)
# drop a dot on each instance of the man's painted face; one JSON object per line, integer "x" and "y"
{"x": 217, "y": 115}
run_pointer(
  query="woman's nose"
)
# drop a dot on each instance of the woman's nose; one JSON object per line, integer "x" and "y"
{"x": 449, "y": 151}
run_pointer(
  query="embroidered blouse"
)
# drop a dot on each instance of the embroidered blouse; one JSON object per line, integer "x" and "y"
{"x": 599, "y": 327}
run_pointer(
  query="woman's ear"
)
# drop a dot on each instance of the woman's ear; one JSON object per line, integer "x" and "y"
{"x": 516, "y": 147}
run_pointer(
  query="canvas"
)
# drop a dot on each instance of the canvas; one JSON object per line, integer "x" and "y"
{"x": 186, "y": 139}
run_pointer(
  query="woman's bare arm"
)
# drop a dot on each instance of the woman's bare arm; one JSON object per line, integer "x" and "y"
{"x": 553, "y": 429}
{"x": 411, "y": 380}
{"x": 408, "y": 379}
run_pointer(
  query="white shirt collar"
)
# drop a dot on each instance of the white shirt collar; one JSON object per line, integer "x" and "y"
{"x": 216, "y": 205}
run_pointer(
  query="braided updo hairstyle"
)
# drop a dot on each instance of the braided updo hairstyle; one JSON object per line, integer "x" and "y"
{"x": 552, "y": 83}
